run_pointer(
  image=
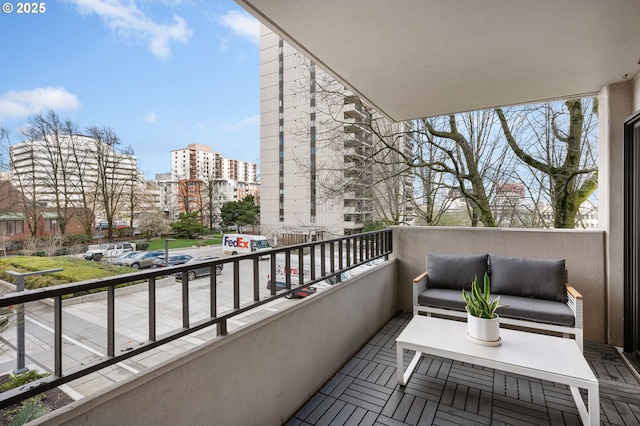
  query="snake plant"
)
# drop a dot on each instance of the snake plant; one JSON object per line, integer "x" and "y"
{"x": 478, "y": 303}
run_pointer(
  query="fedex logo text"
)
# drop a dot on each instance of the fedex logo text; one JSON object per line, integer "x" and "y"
{"x": 238, "y": 242}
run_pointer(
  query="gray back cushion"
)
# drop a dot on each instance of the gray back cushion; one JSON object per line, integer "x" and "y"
{"x": 538, "y": 278}
{"x": 455, "y": 271}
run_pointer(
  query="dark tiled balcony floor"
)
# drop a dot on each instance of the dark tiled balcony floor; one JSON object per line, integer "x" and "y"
{"x": 443, "y": 392}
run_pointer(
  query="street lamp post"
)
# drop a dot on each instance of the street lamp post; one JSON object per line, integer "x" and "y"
{"x": 166, "y": 250}
{"x": 20, "y": 315}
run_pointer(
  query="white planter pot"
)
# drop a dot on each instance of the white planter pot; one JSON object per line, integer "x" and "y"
{"x": 483, "y": 331}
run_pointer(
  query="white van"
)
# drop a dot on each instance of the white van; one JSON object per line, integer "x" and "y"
{"x": 243, "y": 243}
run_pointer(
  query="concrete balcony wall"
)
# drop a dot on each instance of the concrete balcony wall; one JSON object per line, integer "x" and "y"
{"x": 258, "y": 375}
{"x": 584, "y": 251}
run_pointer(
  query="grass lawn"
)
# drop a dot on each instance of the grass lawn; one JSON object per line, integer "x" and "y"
{"x": 175, "y": 244}
{"x": 73, "y": 270}
{"x": 76, "y": 269}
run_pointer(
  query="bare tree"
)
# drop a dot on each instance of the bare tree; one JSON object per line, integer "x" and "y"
{"x": 52, "y": 166}
{"x": 430, "y": 202}
{"x": 190, "y": 194}
{"x": 27, "y": 183}
{"x": 153, "y": 223}
{"x": 213, "y": 199}
{"x": 86, "y": 182}
{"x": 354, "y": 169}
{"x": 557, "y": 140}
{"x": 473, "y": 158}
{"x": 134, "y": 195}
{"x": 111, "y": 181}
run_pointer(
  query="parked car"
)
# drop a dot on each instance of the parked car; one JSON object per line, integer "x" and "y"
{"x": 109, "y": 251}
{"x": 303, "y": 292}
{"x": 143, "y": 259}
{"x": 118, "y": 259}
{"x": 103, "y": 224}
{"x": 174, "y": 259}
{"x": 200, "y": 271}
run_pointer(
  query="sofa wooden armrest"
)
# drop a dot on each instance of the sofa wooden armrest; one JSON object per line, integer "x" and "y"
{"x": 419, "y": 285}
{"x": 572, "y": 292}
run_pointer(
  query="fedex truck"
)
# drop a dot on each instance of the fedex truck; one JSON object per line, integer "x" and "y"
{"x": 243, "y": 243}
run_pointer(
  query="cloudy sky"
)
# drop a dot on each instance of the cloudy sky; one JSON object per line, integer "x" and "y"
{"x": 161, "y": 74}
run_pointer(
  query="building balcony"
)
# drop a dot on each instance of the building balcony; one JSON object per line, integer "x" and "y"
{"x": 355, "y": 125}
{"x": 331, "y": 357}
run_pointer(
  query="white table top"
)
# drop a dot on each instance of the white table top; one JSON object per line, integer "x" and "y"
{"x": 547, "y": 354}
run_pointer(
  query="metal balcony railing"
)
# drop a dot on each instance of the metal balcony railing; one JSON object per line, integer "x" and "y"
{"x": 313, "y": 262}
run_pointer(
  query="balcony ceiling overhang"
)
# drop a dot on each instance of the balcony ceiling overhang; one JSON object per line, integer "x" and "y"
{"x": 420, "y": 58}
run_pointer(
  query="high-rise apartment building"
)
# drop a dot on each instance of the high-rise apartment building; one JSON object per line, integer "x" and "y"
{"x": 203, "y": 180}
{"x": 319, "y": 176}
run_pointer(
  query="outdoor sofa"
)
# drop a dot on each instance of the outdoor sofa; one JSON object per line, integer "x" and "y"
{"x": 535, "y": 290}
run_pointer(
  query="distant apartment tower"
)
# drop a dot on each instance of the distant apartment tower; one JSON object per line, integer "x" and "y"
{"x": 197, "y": 172}
{"x": 167, "y": 195}
{"x": 68, "y": 167}
{"x": 304, "y": 154}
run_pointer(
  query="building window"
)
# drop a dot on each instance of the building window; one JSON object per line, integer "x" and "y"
{"x": 50, "y": 225}
{"x": 12, "y": 227}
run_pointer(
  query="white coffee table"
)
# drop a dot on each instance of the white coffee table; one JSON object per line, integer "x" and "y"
{"x": 544, "y": 357}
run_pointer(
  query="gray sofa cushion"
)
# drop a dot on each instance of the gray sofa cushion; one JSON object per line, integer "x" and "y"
{"x": 442, "y": 298}
{"x": 455, "y": 271}
{"x": 538, "y": 278}
{"x": 529, "y": 309}
{"x": 522, "y": 308}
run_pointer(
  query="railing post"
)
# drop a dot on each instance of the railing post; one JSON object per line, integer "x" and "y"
{"x": 185, "y": 299}
{"x": 300, "y": 266}
{"x": 256, "y": 279}
{"x": 152, "y": 309}
{"x": 57, "y": 344}
{"x": 111, "y": 321}
{"x": 312, "y": 259}
{"x": 20, "y": 322}
{"x": 287, "y": 270}
{"x": 236, "y": 284}
{"x": 213, "y": 293}
{"x": 272, "y": 274}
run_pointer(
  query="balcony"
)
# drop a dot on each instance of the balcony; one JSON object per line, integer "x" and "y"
{"x": 365, "y": 391}
{"x": 330, "y": 357}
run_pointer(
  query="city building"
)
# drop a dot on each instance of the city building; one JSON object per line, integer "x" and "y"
{"x": 202, "y": 180}
{"x": 40, "y": 221}
{"x": 167, "y": 195}
{"x": 318, "y": 168}
{"x": 66, "y": 172}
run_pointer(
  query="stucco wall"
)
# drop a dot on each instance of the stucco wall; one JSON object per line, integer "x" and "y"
{"x": 583, "y": 250}
{"x": 259, "y": 375}
{"x": 615, "y": 105}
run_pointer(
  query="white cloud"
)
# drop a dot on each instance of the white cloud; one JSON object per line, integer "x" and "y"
{"x": 127, "y": 21}
{"x": 22, "y": 103}
{"x": 254, "y": 120}
{"x": 151, "y": 117}
{"x": 242, "y": 24}
{"x": 201, "y": 126}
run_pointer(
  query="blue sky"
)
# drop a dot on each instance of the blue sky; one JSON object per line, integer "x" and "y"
{"x": 161, "y": 74}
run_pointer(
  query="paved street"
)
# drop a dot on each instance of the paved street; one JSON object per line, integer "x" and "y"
{"x": 84, "y": 326}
